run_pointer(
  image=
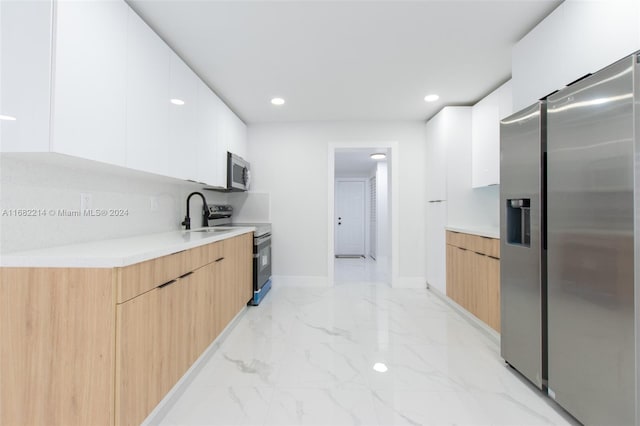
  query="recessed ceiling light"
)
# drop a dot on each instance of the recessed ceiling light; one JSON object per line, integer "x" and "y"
{"x": 431, "y": 98}
{"x": 7, "y": 117}
{"x": 378, "y": 156}
{"x": 277, "y": 101}
{"x": 177, "y": 101}
{"x": 380, "y": 367}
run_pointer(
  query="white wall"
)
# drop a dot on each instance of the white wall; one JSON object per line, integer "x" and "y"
{"x": 43, "y": 184}
{"x": 578, "y": 38}
{"x": 289, "y": 161}
{"x": 250, "y": 207}
{"x": 383, "y": 220}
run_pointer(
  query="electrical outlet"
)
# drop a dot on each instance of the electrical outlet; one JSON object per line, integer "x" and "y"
{"x": 153, "y": 204}
{"x": 86, "y": 202}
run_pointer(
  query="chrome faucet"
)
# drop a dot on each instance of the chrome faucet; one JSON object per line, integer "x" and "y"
{"x": 205, "y": 212}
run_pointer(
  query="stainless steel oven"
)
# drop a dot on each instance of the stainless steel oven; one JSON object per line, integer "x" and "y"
{"x": 261, "y": 265}
{"x": 220, "y": 215}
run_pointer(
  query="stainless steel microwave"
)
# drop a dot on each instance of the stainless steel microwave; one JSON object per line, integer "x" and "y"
{"x": 238, "y": 173}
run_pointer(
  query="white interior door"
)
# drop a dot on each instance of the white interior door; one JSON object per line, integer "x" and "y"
{"x": 350, "y": 217}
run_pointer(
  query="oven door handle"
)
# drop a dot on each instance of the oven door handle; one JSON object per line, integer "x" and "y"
{"x": 259, "y": 240}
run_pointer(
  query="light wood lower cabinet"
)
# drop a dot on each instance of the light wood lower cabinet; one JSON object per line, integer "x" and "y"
{"x": 71, "y": 354}
{"x": 473, "y": 275}
{"x": 57, "y": 334}
{"x": 238, "y": 278}
{"x": 160, "y": 334}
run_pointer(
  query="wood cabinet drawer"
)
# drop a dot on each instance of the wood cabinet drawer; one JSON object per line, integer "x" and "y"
{"x": 139, "y": 278}
{"x": 203, "y": 255}
{"x": 476, "y": 243}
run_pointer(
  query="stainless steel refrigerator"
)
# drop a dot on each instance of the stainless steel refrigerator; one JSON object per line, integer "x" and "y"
{"x": 592, "y": 180}
{"x": 593, "y": 206}
{"x": 522, "y": 263}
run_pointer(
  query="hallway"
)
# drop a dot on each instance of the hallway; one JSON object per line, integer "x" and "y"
{"x": 360, "y": 270}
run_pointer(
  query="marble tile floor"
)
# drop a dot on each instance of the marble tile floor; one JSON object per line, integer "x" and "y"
{"x": 305, "y": 356}
{"x": 361, "y": 270}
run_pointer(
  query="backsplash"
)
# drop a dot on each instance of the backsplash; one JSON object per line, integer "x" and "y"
{"x": 249, "y": 207}
{"x": 49, "y": 190}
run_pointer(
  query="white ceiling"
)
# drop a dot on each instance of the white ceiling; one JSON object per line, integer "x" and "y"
{"x": 345, "y": 60}
{"x": 356, "y": 162}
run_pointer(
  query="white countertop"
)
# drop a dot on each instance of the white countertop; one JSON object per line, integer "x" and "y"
{"x": 117, "y": 252}
{"x": 482, "y": 232}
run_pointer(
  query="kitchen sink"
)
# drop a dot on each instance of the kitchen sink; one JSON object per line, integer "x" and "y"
{"x": 211, "y": 230}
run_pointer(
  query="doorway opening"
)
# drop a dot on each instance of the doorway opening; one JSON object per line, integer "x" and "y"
{"x": 361, "y": 244}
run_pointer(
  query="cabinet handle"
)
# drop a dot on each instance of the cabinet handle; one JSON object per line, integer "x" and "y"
{"x": 167, "y": 283}
{"x": 185, "y": 275}
{"x": 218, "y": 260}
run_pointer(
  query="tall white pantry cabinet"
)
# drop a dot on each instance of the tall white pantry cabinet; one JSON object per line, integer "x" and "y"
{"x": 93, "y": 81}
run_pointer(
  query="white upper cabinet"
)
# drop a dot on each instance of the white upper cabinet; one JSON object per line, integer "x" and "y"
{"x": 25, "y": 75}
{"x": 112, "y": 79}
{"x": 148, "y": 101}
{"x": 183, "y": 120}
{"x": 485, "y": 136}
{"x": 485, "y": 147}
{"x": 210, "y": 166}
{"x": 436, "y": 161}
{"x": 577, "y": 38}
{"x": 89, "y": 109}
{"x": 235, "y": 133}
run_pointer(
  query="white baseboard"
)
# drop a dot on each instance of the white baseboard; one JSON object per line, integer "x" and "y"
{"x": 409, "y": 282}
{"x": 475, "y": 321}
{"x": 163, "y": 407}
{"x": 299, "y": 281}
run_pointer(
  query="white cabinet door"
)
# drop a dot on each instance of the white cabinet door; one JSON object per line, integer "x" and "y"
{"x": 232, "y": 137}
{"x": 237, "y": 142}
{"x": 208, "y": 166}
{"x": 225, "y": 138}
{"x": 436, "y": 161}
{"x": 183, "y": 121}
{"x": 485, "y": 146}
{"x": 439, "y": 132}
{"x": 485, "y": 135}
{"x": 148, "y": 99}
{"x": 25, "y": 73}
{"x": 436, "y": 246}
{"x": 89, "y": 109}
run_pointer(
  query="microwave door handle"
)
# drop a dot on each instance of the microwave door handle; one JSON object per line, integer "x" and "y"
{"x": 247, "y": 180}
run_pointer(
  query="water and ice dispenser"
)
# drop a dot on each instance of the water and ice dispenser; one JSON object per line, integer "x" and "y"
{"x": 519, "y": 221}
